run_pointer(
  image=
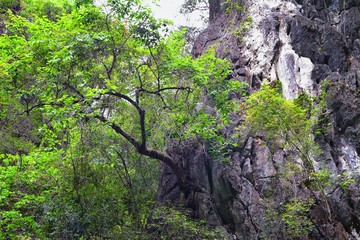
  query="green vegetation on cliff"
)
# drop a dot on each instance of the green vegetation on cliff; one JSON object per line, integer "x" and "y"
{"x": 88, "y": 100}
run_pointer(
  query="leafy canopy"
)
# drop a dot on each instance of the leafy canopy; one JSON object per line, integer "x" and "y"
{"x": 96, "y": 95}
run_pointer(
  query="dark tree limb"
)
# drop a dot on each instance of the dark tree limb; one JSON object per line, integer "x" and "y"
{"x": 185, "y": 183}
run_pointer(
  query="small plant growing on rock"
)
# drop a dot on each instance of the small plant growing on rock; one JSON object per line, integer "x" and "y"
{"x": 296, "y": 219}
{"x": 289, "y": 125}
{"x": 278, "y": 119}
{"x": 243, "y": 28}
{"x": 232, "y": 6}
{"x": 345, "y": 181}
{"x": 171, "y": 223}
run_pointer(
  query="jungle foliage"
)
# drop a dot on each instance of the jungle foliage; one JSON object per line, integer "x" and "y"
{"x": 88, "y": 100}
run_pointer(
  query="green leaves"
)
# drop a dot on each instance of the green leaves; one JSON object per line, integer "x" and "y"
{"x": 96, "y": 91}
{"x": 278, "y": 119}
{"x": 268, "y": 111}
{"x": 6, "y": 4}
{"x": 295, "y": 216}
{"x": 24, "y": 183}
{"x": 174, "y": 223}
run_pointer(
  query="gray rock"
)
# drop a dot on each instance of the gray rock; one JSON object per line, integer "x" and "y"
{"x": 302, "y": 43}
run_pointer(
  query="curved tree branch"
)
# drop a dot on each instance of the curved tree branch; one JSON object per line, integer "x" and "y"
{"x": 140, "y": 111}
{"x": 140, "y": 147}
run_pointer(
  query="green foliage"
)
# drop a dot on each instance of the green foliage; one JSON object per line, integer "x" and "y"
{"x": 51, "y": 9}
{"x": 279, "y": 119}
{"x": 242, "y": 29}
{"x": 211, "y": 102}
{"x": 296, "y": 219}
{"x": 320, "y": 179}
{"x": 271, "y": 226}
{"x": 237, "y": 29}
{"x": 304, "y": 101}
{"x": 232, "y": 6}
{"x": 323, "y": 178}
{"x": 8, "y": 4}
{"x": 344, "y": 181}
{"x": 102, "y": 186}
{"x": 25, "y": 184}
{"x": 277, "y": 85}
{"x": 289, "y": 220}
{"x": 170, "y": 223}
{"x": 324, "y": 125}
{"x": 80, "y": 91}
{"x": 290, "y": 124}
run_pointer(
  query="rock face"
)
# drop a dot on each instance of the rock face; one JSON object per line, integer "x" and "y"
{"x": 312, "y": 47}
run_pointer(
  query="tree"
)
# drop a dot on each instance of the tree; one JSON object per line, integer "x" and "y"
{"x": 13, "y": 5}
{"x": 278, "y": 119}
{"x": 117, "y": 70}
{"x": 101, "y": 93}
{"x": 190, "y": 6}
{"x": 199, "y": 6}
{"x": 290, "y": 125}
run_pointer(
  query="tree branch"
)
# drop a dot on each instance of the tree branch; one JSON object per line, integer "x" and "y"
{"x": 142, "y": 149}
{"x": 140, "y": 111}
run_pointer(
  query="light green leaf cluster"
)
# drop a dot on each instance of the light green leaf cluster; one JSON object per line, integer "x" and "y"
{"x": 24, "y": 187}
{"x": 278, "y": 119}
{"x": 295, "y": 216}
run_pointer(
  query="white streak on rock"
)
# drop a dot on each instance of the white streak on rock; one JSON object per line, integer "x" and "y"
{"x": 350, "y": 160}
{"x": 291, "y": 69}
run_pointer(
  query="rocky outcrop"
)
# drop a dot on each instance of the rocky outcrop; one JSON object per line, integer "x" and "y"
{"x": 312, "y": 47}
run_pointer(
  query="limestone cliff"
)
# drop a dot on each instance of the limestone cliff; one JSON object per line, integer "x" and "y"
{"x": 302, "y": 43}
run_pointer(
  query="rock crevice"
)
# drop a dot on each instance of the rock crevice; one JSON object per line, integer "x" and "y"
{"x": 312, "y": 47}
